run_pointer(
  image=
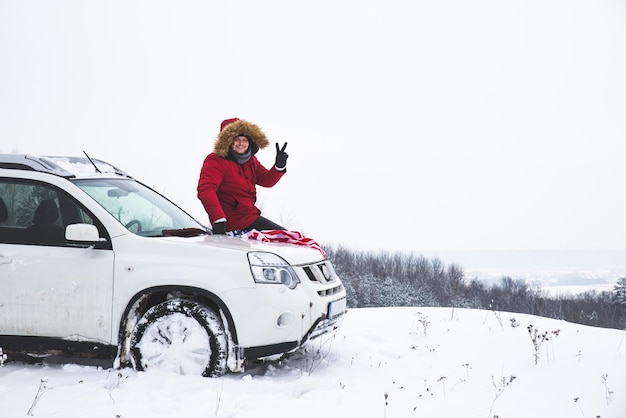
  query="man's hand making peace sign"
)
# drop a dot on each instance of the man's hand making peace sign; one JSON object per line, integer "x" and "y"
{"x": 281, "y": 157}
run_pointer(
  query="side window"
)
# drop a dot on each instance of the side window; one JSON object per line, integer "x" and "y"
{"x": 36, "y": 213}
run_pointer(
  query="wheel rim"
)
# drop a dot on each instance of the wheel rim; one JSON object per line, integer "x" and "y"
{"x": 175, "y": 343}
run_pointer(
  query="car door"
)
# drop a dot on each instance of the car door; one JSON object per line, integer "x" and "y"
{"x": 48, "y": 287}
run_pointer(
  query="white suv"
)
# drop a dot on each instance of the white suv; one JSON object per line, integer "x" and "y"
{"x": 93, "y": 262}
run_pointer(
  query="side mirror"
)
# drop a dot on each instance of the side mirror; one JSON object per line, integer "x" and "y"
{"x": 82, "y": 234}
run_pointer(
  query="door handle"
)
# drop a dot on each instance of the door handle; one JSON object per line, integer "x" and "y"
{"x": 5, "y": 260}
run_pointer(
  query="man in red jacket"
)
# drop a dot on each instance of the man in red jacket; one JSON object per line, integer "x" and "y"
{"x": 229, "y": 175}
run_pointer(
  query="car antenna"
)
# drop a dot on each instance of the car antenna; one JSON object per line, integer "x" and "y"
{"x": 91, "y": 161}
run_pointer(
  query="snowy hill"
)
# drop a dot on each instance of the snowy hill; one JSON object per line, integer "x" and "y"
{"x": 383, "y": 362}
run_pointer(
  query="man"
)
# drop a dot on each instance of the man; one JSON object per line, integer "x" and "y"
{"x": 229, "y": 175}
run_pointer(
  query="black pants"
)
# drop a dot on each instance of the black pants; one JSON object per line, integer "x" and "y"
{"x": 262, "y": 223}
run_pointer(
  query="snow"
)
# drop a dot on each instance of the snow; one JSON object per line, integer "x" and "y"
{"x": 382, "y": 362}
{"x": 185, "y": 335}
{"x": 83, "y": 167}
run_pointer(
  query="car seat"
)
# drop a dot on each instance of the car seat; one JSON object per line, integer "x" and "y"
{"x": 4, "y": 213}
{"x": 44, "y": 230}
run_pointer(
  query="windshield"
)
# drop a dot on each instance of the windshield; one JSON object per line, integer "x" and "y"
{"x": 140, "y": 209}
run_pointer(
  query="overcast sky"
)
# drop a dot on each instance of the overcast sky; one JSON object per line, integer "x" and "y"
{"x": 412, "y": 125}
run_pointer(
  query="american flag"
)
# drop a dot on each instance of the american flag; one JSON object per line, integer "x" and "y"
{"x": 290, "y": 237}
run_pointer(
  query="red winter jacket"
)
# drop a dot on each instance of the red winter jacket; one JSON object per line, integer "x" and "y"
{"x": 228, "y": 189}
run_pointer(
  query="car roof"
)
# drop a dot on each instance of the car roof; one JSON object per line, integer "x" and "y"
{"x": 68, "y": 167}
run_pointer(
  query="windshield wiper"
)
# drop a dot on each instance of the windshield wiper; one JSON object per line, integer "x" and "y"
{"x": 183, "y": 232}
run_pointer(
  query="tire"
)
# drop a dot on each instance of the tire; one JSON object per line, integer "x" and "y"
{"x": 180, "y": 336}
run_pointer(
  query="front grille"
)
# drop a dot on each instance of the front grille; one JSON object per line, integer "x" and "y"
{"x": 330, "y": 292}
{"x": 321, "y": 272}
{"x": 310, "y": 274}
{"x": 324, "y": 274}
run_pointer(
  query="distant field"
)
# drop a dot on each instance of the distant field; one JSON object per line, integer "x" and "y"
{"x": 556, "y": 271}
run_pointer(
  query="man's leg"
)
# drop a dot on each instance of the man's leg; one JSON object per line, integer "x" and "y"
{"x": 263, "y": 224}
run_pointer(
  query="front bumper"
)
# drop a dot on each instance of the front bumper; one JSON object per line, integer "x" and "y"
{"x": 323, "y": 325}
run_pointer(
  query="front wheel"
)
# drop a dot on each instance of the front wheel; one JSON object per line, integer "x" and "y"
{"x": 180, "y": 336}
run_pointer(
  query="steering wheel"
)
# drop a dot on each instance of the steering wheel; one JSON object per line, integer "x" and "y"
{"x": 134, "y": 223}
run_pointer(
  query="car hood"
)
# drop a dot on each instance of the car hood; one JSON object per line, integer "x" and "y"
{"x": 292, "y": 253}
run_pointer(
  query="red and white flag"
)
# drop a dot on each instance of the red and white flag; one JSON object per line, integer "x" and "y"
{"x": 290, "y": 237}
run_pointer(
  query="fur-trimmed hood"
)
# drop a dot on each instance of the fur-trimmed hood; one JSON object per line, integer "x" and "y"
{"x": 225, "y": 139}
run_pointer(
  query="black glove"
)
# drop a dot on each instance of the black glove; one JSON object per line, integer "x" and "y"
{"x": 219, "y": 228}
{"x": 281, "y": 157}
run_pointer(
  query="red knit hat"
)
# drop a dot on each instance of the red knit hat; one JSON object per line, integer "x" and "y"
{"x": 227, "y": 122}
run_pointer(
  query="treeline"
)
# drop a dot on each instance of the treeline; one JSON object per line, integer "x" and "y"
{"x": 398, "y": 279}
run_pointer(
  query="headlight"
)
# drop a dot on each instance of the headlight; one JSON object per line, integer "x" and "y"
{"x": 270, "y": 268}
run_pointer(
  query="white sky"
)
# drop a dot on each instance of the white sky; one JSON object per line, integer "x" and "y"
{"x": 412, "y": 125}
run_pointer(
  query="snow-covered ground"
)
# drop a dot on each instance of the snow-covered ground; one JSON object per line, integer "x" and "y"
{"x": 383, "y": 362}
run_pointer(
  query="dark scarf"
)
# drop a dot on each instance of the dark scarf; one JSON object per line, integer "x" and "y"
{"x": 241, "y": 158}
